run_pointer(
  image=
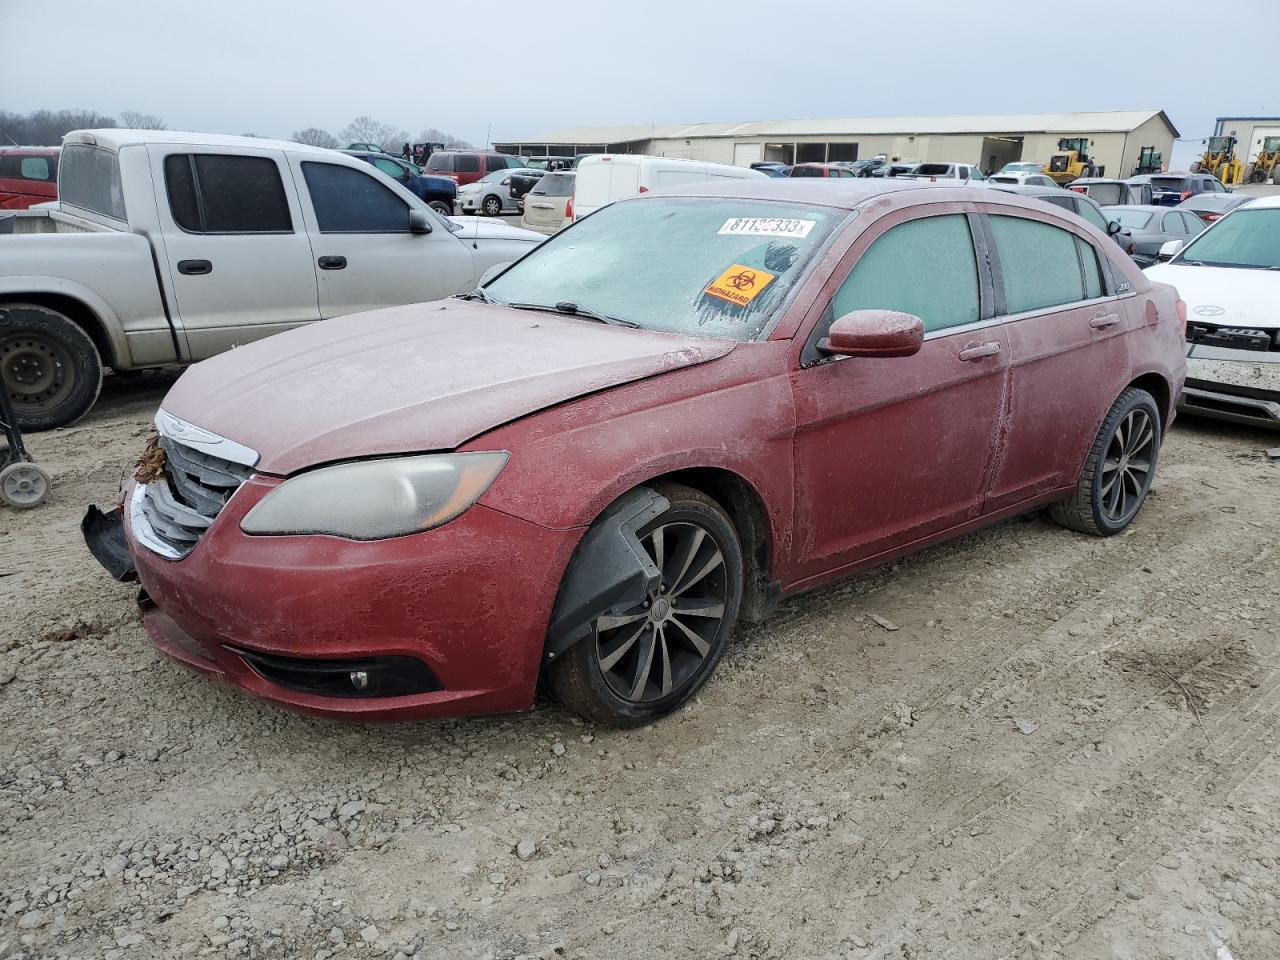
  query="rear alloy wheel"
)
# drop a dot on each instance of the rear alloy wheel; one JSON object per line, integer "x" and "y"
{"x": 644, "y": 662}
{"x": 491, "y": 206}
{"x": 1118, "y": 472}
{"x": 49, "y": 366}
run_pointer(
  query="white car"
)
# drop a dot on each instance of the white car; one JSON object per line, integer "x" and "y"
{"x": 1022, "y": 166}
{"x": 1021, "y": 178}
{"x": 1229, "y": 279}
{"x": 948, "y": 174}
{"x": 491, "y": 194}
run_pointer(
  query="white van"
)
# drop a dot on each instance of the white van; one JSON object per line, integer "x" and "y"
{"x": 605, "y": 177}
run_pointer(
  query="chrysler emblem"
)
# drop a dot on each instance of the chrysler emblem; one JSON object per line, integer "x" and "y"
{"x": 1209, "y": 310}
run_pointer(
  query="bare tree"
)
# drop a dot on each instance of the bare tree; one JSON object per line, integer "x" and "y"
{"x": 133, "y": 120}
{"x": 315, "y": 137}
{"x": 432, "y": 135}
{"x": 46, "y": 127}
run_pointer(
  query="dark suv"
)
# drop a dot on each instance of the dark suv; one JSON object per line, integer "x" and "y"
{"x": 439, "y": 193}
{"x": 1170, "y": 189}
{"x": 468, "y": 166}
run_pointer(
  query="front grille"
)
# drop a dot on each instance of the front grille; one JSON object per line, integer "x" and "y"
{"x": 195, "y": 487}
{"x": 1235, "y": 338}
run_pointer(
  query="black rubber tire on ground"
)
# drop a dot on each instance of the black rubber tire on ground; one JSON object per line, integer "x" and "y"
{"x": 1086, "y": 510}
{"x": 578, "y": 679}
{"x": 49, "y": 365}
{"x": 442, "y": 208}
{"x": 491, "y": 206}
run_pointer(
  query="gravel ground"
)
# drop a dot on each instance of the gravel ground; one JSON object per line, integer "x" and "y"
{"x": 1026, "y": 743}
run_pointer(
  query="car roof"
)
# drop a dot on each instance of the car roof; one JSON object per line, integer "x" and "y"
{"x": 850, "y": 193}
{"x": 1271, "y": 201}
{"x": 1032, "y": 191}
{"x": 1144, "y": 207}
{"x": 1092, "y": 180}
{"x": 114, "y": 139}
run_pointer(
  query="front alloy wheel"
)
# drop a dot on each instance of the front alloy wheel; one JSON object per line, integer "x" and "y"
{"x": 492, "y": 206}
{"x": 642, "y": 663}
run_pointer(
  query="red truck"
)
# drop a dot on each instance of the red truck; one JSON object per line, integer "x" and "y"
{"x": 28, "y": 175}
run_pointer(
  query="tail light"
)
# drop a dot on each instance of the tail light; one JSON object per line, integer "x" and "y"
{"x": 643, "y": 190}
{"x": 1186, "y": 194}
{"x": 1209, "y": 217}
{"x": 1079, "y": 190}
{"x": 568, "y": 208}
{"x": 1182, "y": 316}
{"x": 933, "y": 179}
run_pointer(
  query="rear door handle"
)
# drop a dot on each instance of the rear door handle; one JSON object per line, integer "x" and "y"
{"x": 978, "y": 351}
{"x": 332, "y": 263}
{"x": 1104, "y": 320}
{"x": 195, "y": 268}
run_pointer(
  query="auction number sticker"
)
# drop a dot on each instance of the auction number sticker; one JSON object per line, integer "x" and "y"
{"x": 739, "y": 285}
{"x": 766, "y": 227}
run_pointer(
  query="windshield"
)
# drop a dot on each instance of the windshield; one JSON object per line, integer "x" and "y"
{"x": 705, "y": 266}
{"x": 533, "y": 163}
{"x": 1247, "y": 238}
{"x": 1106, "y": 193}
{"x": 496, "y": 176}
{"x": 1133, "y": 219}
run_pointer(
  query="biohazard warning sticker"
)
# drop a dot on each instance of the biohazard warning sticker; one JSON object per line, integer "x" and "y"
{"x": 739, "y": 285}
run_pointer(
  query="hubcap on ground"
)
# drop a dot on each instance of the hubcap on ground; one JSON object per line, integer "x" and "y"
{"x": 650, "y": 650}
{"x": 1126, "y": 468}
{"x": 33, "y": 369}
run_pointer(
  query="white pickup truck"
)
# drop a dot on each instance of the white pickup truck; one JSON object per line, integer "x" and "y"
{"x": 170, "y": 247}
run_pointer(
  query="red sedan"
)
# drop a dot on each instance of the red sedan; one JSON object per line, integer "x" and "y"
{"x": 658, "y": 422}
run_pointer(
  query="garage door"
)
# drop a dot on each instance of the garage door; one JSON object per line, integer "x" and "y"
{"x": 745, "y": 154}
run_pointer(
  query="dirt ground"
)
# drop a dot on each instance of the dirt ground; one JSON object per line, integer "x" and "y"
{"x": 1067, "y": 748}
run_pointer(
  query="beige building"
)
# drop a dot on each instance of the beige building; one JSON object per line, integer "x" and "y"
{"x": 1116, "y": 138}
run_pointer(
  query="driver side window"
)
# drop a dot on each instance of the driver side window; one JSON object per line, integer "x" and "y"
{"x": 924, "y": 267}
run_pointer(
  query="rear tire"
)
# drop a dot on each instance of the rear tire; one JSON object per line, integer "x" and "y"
{"x": 1118, "y": 471}
{"x": 646, "y": 662}
{"x": 49, "y": 366}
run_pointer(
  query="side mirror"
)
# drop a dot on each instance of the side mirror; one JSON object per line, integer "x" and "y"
{"x": 492, "y": 272}
{"x": 874, "y": 333}
{"x": 1113, "y": 227}
{"x": 419, "y": 222}
{"x": 1171, "y": 249}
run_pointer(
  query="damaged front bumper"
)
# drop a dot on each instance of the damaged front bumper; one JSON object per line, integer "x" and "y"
{"x": 1240, "y": 386}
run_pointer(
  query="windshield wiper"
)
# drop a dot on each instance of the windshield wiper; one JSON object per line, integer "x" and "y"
{"x": 570, "y": 309}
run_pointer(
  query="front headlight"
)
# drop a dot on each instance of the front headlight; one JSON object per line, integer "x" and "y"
{"x": 376, "y": 499}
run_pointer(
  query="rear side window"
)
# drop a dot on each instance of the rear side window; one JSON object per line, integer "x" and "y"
{"x": 440, "y": 163}
{"x": 934, "y": 169}
{"x": 466, "y": 163}
{"x": 1040, "y": 264}
{"x": 1092, "y": 272}
{"x": 216, "y": 193}
{"x": 554, "y": 185}
{"x": 1091, "y": 213}
{"x": 923, "y": 267}
{"x": 806, "y": 171}
{"x": 1194, "y": 223}
{"x": 347, "y": 200}
{"x": 90, "y": 179}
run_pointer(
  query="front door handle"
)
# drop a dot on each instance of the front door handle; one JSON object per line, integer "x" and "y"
{"x": 1104, "y": 320}
{"x": 195, "y": 268}
{"x": 980, "y": 350}
{"x": 332, "y": 263}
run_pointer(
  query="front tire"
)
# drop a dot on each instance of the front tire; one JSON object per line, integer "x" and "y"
{"x": 442, "y": 208}
{"x": 491, "y": 206}
{"x": 1118, "y": 471}
{"x": 643, "y": 663}
{"x": 48, "y": 364}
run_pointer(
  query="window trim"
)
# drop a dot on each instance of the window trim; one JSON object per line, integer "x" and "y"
{"x": 199, "y": 191}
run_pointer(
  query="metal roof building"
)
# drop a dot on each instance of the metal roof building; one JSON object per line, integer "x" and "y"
{"x": 990, "y": 141}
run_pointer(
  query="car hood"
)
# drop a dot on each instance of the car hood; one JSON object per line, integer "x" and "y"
{"x": 1224, "y": 295}
{"x": 423, "y": 377}
{"x": 491, "y": 228}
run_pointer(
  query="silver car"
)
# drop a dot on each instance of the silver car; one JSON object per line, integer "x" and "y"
{"x": 1151, "y": 227}
{"x": 491, "y": 194}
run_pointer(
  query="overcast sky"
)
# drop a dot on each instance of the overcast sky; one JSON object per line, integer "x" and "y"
{"x": 271, "y": 67}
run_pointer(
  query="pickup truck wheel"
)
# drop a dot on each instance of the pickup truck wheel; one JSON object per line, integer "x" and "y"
{"x": 48, "y": 365}
{"x": 442, "y": 208}
{"x": 492, "y": 206}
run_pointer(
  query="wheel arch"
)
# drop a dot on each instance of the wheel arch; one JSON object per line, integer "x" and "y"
{"x": 750, "y": 517}
{"x": 1156, "y": 385}
{"x": 111, "y": 349}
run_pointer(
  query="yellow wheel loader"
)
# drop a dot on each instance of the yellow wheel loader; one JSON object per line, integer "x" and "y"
{"x": 1267, "y": 165}
{"x": 1071, "y": 162}
{"x": 1220, "y": 160}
